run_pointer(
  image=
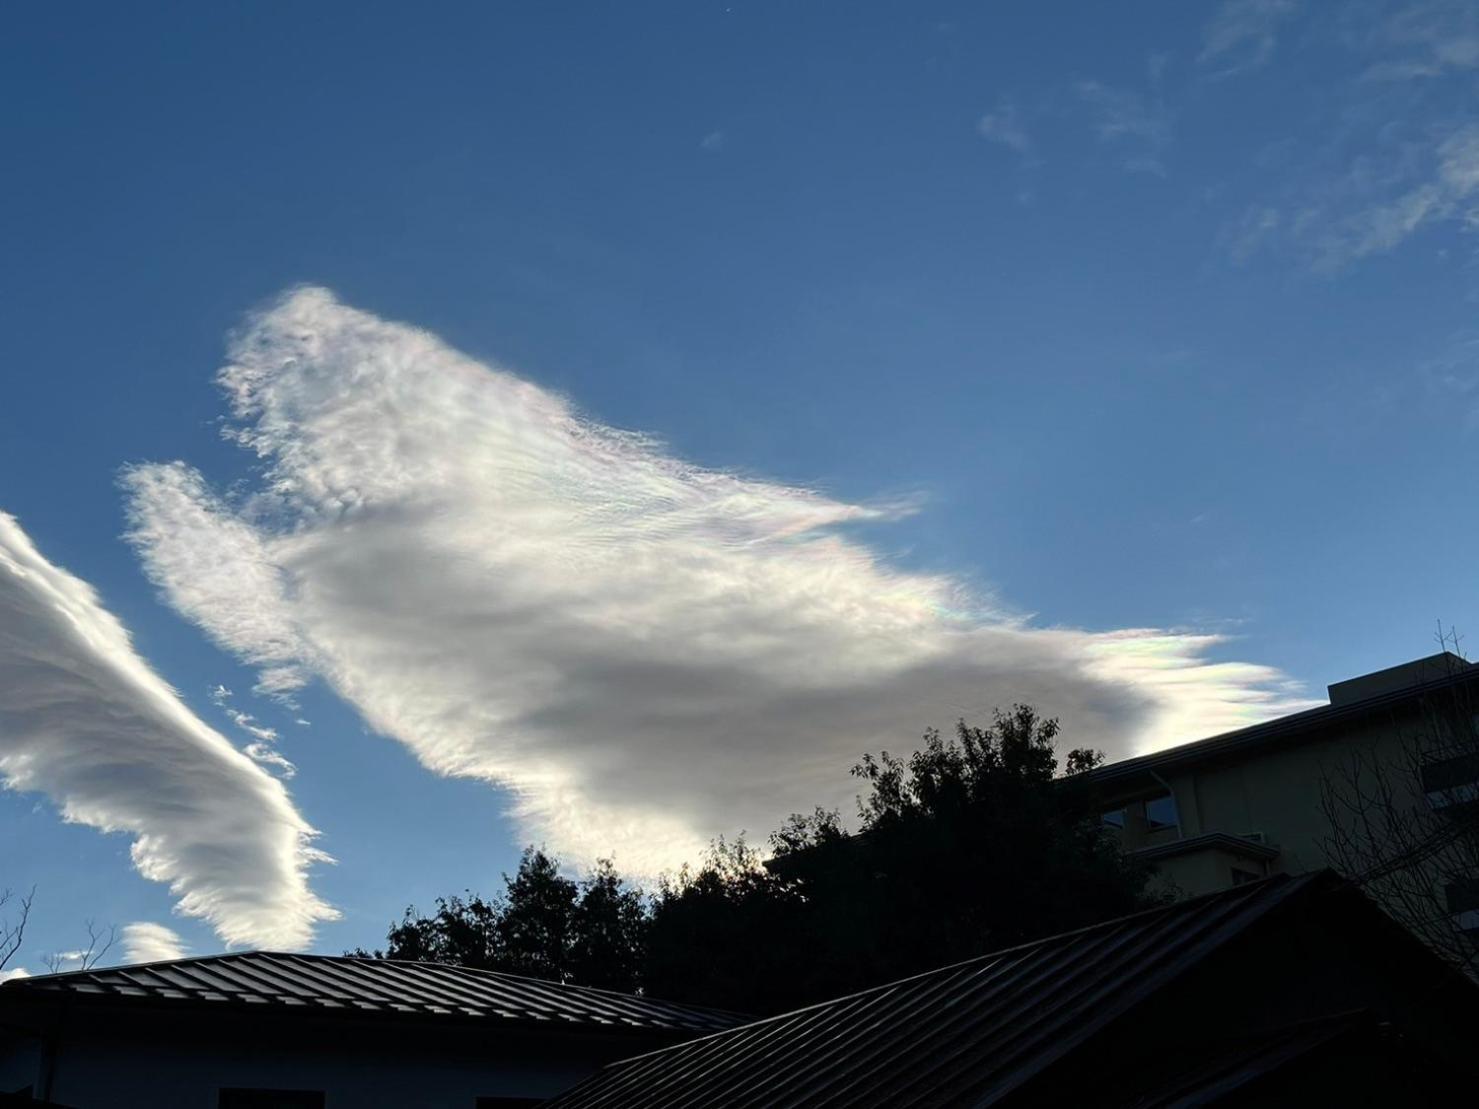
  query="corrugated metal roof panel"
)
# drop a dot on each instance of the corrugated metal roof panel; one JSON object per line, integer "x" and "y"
{"x": 963, "y": 1034}
{"x": 352, "y": 985}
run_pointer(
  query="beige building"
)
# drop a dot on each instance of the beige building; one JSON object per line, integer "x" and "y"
{"x": 1241, "y": 806}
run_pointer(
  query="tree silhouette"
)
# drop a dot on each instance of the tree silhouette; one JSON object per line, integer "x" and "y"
{"x": 728, "y": 934}
{"x": 972, "y": 843}
{"x": 544, "y": 925}
{"x": 609, "y": 931}
{"x": 536, "y": 929}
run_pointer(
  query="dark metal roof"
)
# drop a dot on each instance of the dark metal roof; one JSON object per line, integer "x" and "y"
{"x": 964, "y": 1034}
{"x": 1295, "y": 728}
{"x": 1235, "y": 1066}
{"x": 350, "y": 986}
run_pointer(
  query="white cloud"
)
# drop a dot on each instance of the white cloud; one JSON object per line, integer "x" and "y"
{"x": 237, "y": 581}
{"x": 7, "y": 973}
{"x": 1243, "y": 33}
{"x": 86, "y": 722}
{"x": 1451, "y": 380}
{"x": 1257, "y": 227}
{"x": 1375, "y": 224}
{"x": 1385, "y": 157}
{"x": 1004, "y": 125}
{"x": 1123, "y": 116}
{"x": 247, "y": 723}
{"x": 1427, "y": 39}
{"x": 644, "y": 652}
{"x": 147, "y": 942}
{"x": 262, "y": 750}
{"x": 269, "y": 757}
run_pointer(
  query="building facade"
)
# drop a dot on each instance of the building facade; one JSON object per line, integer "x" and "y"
{"x": 1275, "y": 798}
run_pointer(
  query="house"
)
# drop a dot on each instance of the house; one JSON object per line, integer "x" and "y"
{"x": 1285, "y": 991}
{"x": 259, "y": 1030}
{"x": 1247, "y": 804}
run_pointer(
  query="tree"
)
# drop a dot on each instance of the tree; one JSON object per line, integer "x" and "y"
{"x": 99, "y": 943}
{"x": 544, "y": 925}
{"x": 463, "y": 932}
{"x": 731, "y": 934}
{"x": 973, "y": 843}
{"x": 536, "y": 929}
{"x": 609, "y": 931}
{"x": 13, "y": 931}
{"x": 1404, "y": 824}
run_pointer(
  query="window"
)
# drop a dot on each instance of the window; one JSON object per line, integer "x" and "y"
{"x": 1463, "y": 903}
{"x": 241, "y": 1098}
{"x": 1451, "y": 781}
{"x": 1160, "y": 813}
{"x": 508, "y": 1102}
{"x": 1115, "y": 818}
{"x": 1241, "y": 877}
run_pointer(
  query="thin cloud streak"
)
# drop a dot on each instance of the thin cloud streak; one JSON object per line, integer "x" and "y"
{"x": 1004, "y": 124}
{"x": 1243, "y": 33}
{"x": 1129, "y": 118}
{"x": 85, "y": 721}
{"x": 643, "y": 652}
{"x": 1442, "y": 194}
{"x": 1385, "y": 160}
{"x": 1429, "y": 39}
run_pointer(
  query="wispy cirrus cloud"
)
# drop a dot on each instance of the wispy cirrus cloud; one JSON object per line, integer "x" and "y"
{"x": 1248, "y": 235}
{"x": 1242, "y": 34}
{"x": 147, "y": 942}
{"x": 644, "y": 652}
{"x": 86, "y": 722}
{"x": 1423, "y": 40}
{"x": 262, "y": 750}
{"x": 1394, "y": 155}
{"x": 1137, "y": 122}
{"x": 1451, "y": 379}
{"x": 1382, "y": 212}
{"x": 1005, "y": 125}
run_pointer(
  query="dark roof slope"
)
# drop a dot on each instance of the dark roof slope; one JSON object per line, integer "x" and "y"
{"x": 964, "y": 1034}
{"x": 1230, "y": 1067}
{"x": 353, "y": 986}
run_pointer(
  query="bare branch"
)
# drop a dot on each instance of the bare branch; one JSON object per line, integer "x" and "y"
{"x": 1385, "y": 832}
{"x": 12, "y": 935}
{"x": 94, "y": 954}
{"x": 99, "y": 942}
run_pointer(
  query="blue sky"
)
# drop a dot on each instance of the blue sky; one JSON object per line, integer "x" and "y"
{"x": 1045, "y": 322}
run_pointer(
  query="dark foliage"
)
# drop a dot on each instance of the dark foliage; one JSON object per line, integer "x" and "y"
{"x": 543, "y": 926}
{"x": 973, "y": 843}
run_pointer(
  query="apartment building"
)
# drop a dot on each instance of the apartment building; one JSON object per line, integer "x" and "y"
{"x": 1248, "y": 804}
